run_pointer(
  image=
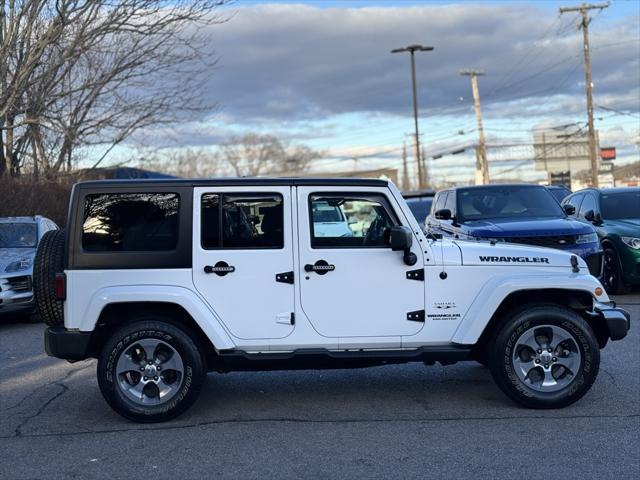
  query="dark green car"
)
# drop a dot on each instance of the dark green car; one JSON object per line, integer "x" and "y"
{"x": 615, "y": 212}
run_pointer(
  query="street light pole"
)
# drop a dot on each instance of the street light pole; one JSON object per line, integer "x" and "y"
{"x": 412, "y": 49}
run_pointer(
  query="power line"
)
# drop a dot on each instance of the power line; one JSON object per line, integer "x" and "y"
{"x": 524, "y": 57}
{"x": 619, "y": 112}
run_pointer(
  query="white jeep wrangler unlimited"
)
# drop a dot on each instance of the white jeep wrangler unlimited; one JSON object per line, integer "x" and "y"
{"x": 164, "y": 281}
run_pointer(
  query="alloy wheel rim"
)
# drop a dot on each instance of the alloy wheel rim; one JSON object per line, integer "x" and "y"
{"x": 149, "y": 372}
{"x": 546, "y": 358}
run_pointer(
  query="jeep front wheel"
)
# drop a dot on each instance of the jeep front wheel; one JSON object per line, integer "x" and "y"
{"x": 150, "y": 371}
{"x": 544, "y": 357}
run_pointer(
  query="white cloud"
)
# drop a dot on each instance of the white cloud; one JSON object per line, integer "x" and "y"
{"x": 301, "y": 62}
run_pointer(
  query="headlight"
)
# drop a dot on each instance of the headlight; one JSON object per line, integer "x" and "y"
{"x": 22, "y": 264}
{"x": 587, "y": 238}
{"x": 633, "y": 242}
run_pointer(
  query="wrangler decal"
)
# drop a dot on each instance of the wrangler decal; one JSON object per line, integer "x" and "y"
{"x": 514, "y": 259}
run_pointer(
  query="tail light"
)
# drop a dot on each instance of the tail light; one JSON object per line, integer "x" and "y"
{"x": 60, "y": 286}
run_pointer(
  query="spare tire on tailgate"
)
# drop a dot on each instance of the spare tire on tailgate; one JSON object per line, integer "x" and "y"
{"x": 49, "y": 261}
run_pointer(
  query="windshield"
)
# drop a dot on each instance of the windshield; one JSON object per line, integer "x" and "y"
{"x": 507, "y": 202}
{"x": 420, "y": 208}
{"x": 325, "y": 213}
{"x": 18, "y": 235}
{"x": 618, "y": 206}
{"x": 560, "y": 193}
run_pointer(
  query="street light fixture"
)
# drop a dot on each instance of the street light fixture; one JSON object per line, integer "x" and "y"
{"x": 412, "y": 49}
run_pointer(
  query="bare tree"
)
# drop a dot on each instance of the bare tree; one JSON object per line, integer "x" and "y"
{"x": 255, "y": 155}
{"x": 92, "y": 72}
{"x": 190, "y": 163}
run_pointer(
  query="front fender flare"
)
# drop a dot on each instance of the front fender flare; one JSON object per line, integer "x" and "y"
{"x": 187, "y": 299}
{"x": 496, "y": 290}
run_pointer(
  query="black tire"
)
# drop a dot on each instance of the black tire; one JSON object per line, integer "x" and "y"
{"x": 612, "y": 275}
{"x": 187, "y": 387}
{"x": 518, "y": 323}
{"x": 49, "y": 261}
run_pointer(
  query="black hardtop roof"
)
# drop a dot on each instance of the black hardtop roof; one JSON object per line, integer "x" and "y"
{"x": 233, "y": 182}
{"x": 491, "y": 185}
{"x": 426, "y": 193}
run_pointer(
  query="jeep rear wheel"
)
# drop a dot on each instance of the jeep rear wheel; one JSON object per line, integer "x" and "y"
{"x": 150, "y": 371}
{"x": 544, "y": 357}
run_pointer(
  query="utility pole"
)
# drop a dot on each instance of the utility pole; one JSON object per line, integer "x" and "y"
{"x": 425, "y": 170}
{"x": 482, "y": 168}
{"x": 584, "y": 24}
{"x": 405, "y": 173}
{"x": 412, "y": 49}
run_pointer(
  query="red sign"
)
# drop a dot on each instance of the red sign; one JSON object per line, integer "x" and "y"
{"x": 608, "y": 153}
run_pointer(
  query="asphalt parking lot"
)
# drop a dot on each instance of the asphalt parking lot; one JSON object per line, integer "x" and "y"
{"x": 405, "y": 421}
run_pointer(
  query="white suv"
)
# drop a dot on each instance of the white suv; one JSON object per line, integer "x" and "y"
{"x": 164, "y": 281}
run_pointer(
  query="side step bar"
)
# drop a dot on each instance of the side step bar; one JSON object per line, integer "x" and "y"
{"x": 313, "y": 359}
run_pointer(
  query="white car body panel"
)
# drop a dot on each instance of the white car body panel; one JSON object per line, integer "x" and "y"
{"x": 247, "y": 309}
{"x": 376, "y": 275}
{"x": 270, "y": 302}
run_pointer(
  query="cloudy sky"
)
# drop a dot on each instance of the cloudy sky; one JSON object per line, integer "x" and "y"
{"x": 321, "y": 73}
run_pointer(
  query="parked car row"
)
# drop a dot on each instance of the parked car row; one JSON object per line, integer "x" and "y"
{"x": 601, "y": 226}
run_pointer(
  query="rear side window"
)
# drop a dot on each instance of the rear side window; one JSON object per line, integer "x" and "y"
{"x": 237, "y": 221}
{"x": 130, "y": 222}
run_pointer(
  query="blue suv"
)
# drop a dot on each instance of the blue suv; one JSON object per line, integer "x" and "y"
{"x": 527, "y": 214}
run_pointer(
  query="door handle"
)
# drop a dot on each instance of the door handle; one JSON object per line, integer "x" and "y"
{"x": 321, "y": 267}
{"x": 221, "y": 269}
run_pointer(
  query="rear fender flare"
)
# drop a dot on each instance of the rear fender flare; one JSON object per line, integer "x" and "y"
{"x": 187, "y": 299}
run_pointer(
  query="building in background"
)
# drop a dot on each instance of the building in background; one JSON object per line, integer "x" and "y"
{"x": 563, "y": 154}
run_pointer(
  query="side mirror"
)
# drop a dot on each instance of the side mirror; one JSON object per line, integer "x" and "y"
{"x": 443, "y": 214}
{"x": 401, "y": 238}
{"x": 569, "y": 209}
{"x": 590, "y": 216}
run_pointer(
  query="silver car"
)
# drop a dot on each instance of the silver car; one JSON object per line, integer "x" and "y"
{"x": 19, "y": 237}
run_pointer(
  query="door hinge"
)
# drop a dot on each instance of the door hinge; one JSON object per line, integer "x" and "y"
{"x": 416, "y": 274}
{"x": 416, "y": 316}
{"x": 284, "y": 277}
